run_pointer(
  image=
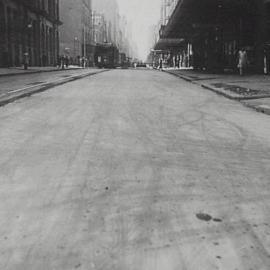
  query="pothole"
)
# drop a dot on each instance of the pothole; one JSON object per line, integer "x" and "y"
{"x": 207, "y": 217}
{"x": 203, "y": 216}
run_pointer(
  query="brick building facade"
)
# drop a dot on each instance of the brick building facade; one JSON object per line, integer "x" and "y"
{"x": 29, "y": 26}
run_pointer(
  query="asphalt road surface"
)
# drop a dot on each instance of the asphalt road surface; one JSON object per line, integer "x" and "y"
{"x": 133, "y": 170}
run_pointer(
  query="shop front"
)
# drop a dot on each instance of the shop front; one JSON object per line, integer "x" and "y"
{"x": 217, "y": 30}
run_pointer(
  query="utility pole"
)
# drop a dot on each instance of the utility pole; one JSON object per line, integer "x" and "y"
{"x": 84, "y": 45}
{"x": 84, "y": 41}
{"x": 74, "y": 49}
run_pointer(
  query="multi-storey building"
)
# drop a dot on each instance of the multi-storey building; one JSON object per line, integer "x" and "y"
{"x": 75, "y": 32}
{"x": 110, "y": 10}
{"x": 29, "y": 27}
{"x": 99, "y": 28}
{"x": 167, "y": 8}
{"x": 125, "y": 36}
{"x": 117, "y": 28}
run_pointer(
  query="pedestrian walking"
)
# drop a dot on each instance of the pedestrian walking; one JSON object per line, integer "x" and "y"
{"x": 66, "y": 61}
{"x": 82, "y": 62}
{"x": 85, "y": 62}
{"x": 160, "y": 64}
{"x": 25, "y": 61}
{"x": 62, "y": 61}
{"x": 44, "y": 60}
{"x": 58, "y": 61}
{"x": 242, "y": 61}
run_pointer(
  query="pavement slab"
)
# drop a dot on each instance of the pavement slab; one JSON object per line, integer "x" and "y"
{"x": 137, "y": 170}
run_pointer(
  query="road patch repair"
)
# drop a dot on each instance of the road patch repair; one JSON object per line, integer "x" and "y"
{"x": 37, "y": 87}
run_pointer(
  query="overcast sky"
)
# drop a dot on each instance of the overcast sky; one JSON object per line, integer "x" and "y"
{"x": 142, "y": 14}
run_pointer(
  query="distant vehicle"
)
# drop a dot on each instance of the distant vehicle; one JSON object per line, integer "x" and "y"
{"x": 124, "y": 61}
{"x": 141, "y": 65}
{"x": 106, "y": 55}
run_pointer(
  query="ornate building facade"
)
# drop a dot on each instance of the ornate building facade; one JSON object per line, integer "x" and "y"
{"x": 117, "y": 28}
{"x": 29, "y": 27}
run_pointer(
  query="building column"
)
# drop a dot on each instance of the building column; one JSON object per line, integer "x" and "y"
{"x": 3, "y": 36}
{"x": 43, "y": 44}
{"x": 260, "y": 37}
{"x": 37, "y": 41}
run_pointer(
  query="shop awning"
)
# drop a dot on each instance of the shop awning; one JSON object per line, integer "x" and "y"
{"x": 187, "y": 14}
{"x": 169, "y": 43}
{"x": 191, "y": 16}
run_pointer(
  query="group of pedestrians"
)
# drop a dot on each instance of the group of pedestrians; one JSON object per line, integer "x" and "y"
{"x": 63, "y": 61}
{"x": 241, "y": 65}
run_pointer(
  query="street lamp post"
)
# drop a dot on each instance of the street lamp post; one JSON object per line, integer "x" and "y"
{"x": 74, "y": 49}
{"x": 84, "y": 46}
{"x": 26, "y": 53}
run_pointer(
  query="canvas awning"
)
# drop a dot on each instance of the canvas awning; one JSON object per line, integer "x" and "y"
{"x": 187, "y": 14}
{"x": 169, "y": 43}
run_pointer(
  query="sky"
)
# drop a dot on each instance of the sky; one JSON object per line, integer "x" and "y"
{"x": 142, "y": 14}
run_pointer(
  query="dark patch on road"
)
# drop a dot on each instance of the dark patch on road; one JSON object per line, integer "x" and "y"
{"x": 207, "y": 217}
{"x": 217, "y": 220}
{"x": 206, "y": 79}
{"x": 35, "y": 83}
{"x": 107, "y": 188}
{"x": 204, "y": 217}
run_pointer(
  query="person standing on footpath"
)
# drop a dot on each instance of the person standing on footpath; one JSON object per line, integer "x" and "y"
{"x": 25, "y": 61}
{"x": 160, "y": 63}
{"x": 66, "y": 61}
{"x": 62, "y": 61}
{"x": 58, "y": 61}
{"x": 242, "y": 61}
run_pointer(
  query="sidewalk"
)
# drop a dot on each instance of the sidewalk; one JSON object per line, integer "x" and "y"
{"x": 20, "y": 71}
{"x": 252, "y": 90}
{"x": 16, "y": 87}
